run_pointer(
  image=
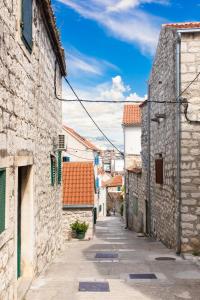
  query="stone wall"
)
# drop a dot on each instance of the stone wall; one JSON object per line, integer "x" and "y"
{"x": 163, "y": 139}
{"x": 135, "y": 202}
{"x": 30, "y": 121}
{"x": 69, "y": 216}
{"x": 190, "y": 144}
{"x": 163, "y": 142}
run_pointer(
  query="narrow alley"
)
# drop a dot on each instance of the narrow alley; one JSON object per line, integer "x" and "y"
{"x": 113, "y": 263}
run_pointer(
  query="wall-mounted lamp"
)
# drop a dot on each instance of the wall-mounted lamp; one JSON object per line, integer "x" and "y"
{"x": 160, "y": 116}
{"x": 155, "y": 120}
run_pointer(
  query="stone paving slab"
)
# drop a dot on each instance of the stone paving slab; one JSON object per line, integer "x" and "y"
{"x": 179, "y": 279}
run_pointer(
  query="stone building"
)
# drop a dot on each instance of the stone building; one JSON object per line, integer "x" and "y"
{"x": 131, "y": 124}
{"x": 171, "y": 139}
{"x": 80, "y": 149}
{"x": 113, "y": 188}
{"x": 78, "y": 196}
{"x": 30, "y": 122}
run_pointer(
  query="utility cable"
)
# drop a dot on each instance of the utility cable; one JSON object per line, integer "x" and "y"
{"x": 97, "y": 126}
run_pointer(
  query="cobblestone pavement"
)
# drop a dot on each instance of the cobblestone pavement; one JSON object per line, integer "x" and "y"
{"x": 124, "y": 253}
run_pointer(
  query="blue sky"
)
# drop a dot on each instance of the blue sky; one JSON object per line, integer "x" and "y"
{"x": 110, "y": 45}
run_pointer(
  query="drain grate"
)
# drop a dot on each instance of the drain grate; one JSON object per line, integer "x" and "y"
{"x": 94, "y": 286}
{"x": 143, "y": 276}
{"x": 108, "y": 255}
{"x": 165, "y": 258}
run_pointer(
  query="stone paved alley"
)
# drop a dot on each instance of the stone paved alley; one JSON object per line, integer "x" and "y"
{"x": 176, "y": 279}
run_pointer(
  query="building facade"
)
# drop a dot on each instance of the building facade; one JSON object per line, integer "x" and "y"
{"x": 131, "y": 124}
{"x": 30, "y": 122}
{"x": 170, "y": 135}
{"x": 78, "y": 196}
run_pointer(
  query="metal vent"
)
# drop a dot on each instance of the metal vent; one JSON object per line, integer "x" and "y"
{"x": 143, "y": 276}
{"x": 61, "y": 141}
{"x": 94, "y": 286}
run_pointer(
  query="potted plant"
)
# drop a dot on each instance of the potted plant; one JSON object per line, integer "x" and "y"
{"x": 80, "y": 229}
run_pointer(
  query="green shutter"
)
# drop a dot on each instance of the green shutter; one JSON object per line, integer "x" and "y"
{"x": 2, "y": 199}
{"x": 59, "y": 167}
{"x": 53, "y": 170}
{"x": 26, "y": 23}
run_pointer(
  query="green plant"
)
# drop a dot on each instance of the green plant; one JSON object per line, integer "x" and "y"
{"x": 79, "y": 227}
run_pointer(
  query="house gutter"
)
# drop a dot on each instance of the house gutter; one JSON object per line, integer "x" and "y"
{"x": 149, "y": 159}
{"x": 178, "y": 154}
{"x": 178, "y": 133}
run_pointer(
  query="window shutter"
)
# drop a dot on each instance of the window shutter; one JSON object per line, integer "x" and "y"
{"x": 2, "y": 199}
{"x": 96, "y": 160}
{"x": 59, "y": 167}
{"x": 159, "y": 170}
{"x": 97, "y": 183}
{"x": 26, "y": 23}
{"x": 53, "y": 170}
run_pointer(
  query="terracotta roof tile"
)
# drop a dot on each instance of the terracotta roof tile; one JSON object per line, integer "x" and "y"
{"x": 78, "y": 183}
{"x": 80, "y": 138}
{"x": 185, "y": 25}
{"x": 132, "y": 115}
{"x": 113, "y": 182}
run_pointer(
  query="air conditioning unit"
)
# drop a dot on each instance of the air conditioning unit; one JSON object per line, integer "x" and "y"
{"x": 61, "y": 142}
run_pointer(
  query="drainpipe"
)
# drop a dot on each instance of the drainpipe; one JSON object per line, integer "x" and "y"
{"x": 178, "y": 155}
{"x": 149, "y": 159}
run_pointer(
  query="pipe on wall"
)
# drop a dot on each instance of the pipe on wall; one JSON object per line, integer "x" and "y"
{"x": 149, "y": 159}
{"x": 178, "y": 154}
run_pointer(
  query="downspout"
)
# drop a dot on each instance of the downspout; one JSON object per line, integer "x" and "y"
{"x": 149, "y": 158}
{"x": 178, "y": 155}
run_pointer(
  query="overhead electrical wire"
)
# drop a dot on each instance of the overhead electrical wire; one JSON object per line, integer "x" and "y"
{"x": 183, "y": 102}
{"x": 94, "y": 122}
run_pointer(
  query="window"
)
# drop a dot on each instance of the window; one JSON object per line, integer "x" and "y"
{"x": 26, "y": 23}
{"x": 159, "y": 170}
{"x": 2, "y": 199}
{"x": 119, "y": 188}
{"x": 53, "y": 170}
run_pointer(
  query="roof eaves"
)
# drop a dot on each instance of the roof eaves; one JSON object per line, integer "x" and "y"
{"x": 50, "y": 24}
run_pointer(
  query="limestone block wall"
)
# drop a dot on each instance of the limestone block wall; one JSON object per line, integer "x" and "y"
{"x": 163, "y": 139}
{"x": 190, "y": 144}
{"x": 30, "y": 121}
{"x": 136, "y": 209}
{"x": 69, "y": 216}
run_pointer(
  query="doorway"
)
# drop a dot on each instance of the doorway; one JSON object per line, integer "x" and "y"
{"x": 25, "y": 232}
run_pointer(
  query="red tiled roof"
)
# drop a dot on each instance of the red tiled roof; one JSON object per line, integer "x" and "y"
{"x": 185, "y": 25}
{"x": 132, "y": 115}
{"x": 78, "y": 183}
{"x": 80, "y": 138}
{"x": 113, "y": 182}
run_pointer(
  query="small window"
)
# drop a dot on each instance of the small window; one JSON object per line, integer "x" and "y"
{"x": 53, "y": 170}
{"x": 26, "y": 23}
{"x": 159, "y": 170}
{"x": 2, "y": 199}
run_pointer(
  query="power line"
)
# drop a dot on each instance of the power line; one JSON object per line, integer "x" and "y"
{"x": 89, "y": 159}
{"x": 97, "y": 126}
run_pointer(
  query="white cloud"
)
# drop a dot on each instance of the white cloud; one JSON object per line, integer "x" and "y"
{"x": 79, "y": 63}
{"x": 124, "y": 19}
{"x": 108, "y": 116}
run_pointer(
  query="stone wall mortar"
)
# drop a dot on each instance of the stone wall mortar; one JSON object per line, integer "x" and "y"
{"x": 69, "y": 216}
{"x": 30, "y": 121}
